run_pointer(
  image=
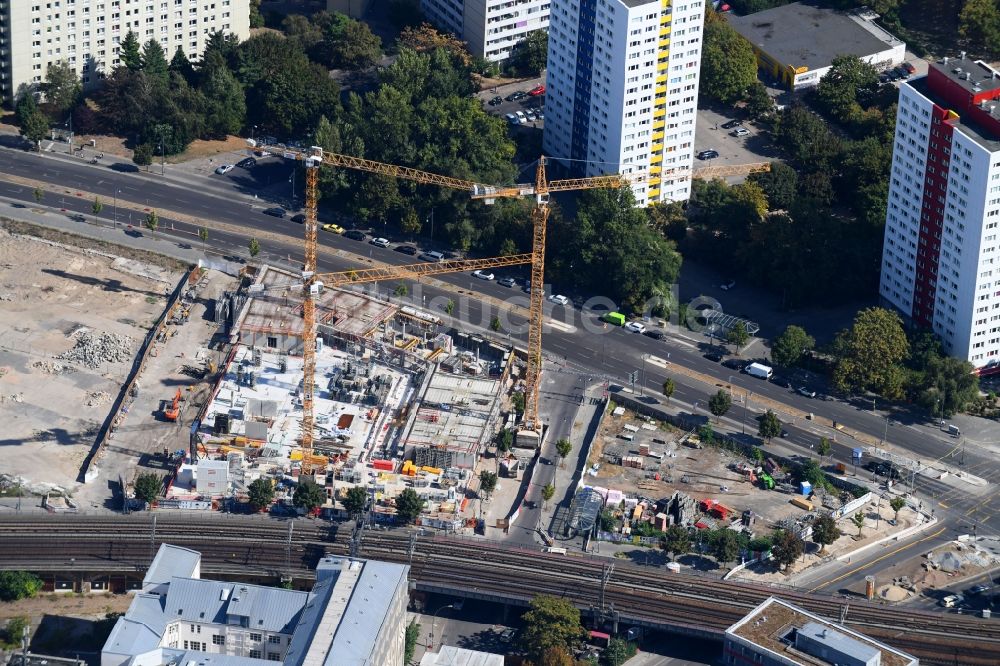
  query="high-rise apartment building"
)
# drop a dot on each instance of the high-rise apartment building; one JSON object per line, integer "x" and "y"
{"x": 941, "y": 257}
{"x": 87, "y": 33}
{"x": 490, "y": 27}
{"x": 622, "y": 90}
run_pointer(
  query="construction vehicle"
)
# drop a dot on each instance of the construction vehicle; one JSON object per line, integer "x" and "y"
{"x": 171, "y": 412}
{"x": 540, "y": 189}
{"x": 766, "y": 482}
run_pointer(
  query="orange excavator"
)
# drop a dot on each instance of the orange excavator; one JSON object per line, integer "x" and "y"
{"x": 173, "y": 411}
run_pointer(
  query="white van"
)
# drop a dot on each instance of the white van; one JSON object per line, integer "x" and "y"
{"x": 431, "y": 255}
{"x": 759, "y": 371}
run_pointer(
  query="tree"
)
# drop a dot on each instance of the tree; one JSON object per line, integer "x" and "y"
{"x": 720, "y": 403}
{"x": 728, "y": 63}
{"x": 61, "y": 88}
{"x": 203, "y": 235}
{"x": 143, "y": 155}
{"x": 769, "y": 425}
{"x": 759, "y": 104}
{"x": 257, "y": 21}
{"x": 154, "y": 61}
{"x": 449, "y": 307}
{"x": 859, "y": 521}
{"x": 517, "y": 401}
{"x": 495, "y": 324}
{"x": 352, "y": 45}
{"x": 839, "y": 88}
{"x": 182, "y": 65}
{"x": 401, "y": 290}
{"x": 979, "y": 22}
{"x": 14, "y": 631}
{"x": 780, "y": 185}
{"x": 706, "y": 434}
{"x": 824, "y": 448}
{"x": 505, "y": 441}
{"x": 152, "y": 222}
{"x": 813, "y": 473}
{"x": 130, "y": 52}
{"x": 789, "y": 347}
{"x": 253, "y": 247}
{"x": 668, "y": 388}
{"x": 96, "y": 207}
{"x": 825, "y": 531}
{"x": 563, "y": 448}
{"x": 786, "y": 548}
{"x": 409, "y": 504}
{"x": 308, "y": 495}
{"x": 550, "y": 622}
{"x": 410, "y": 641}
{"x": 870, "y": 351}
{"x": 355, "y": 501}
{"x": 669, "y": 219}
{"x": 738, "y": 336}
{"x": 947, "y": 385}
{"x": 618, "y": 652}
{"x": 32, "y": 123}
{"x": 147, "y": 487}
{"x": 896, "y": 503}
{"x": 727, "y": 546}
{"x": 16, "y": 585}
{"x": 676, "y": 541}
{"x": 261, "y": 493}
{"x": 38, "y": 193}
{"x": 528, "y": 57}
{"x": 548, "y": 492}
{"x": 410, "y": 223}
{"x": 487, "y": 482}
{"x": 225, "y": 102}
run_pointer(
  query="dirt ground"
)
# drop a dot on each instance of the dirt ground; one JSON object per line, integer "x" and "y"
{"x": 64, "y": 623}
{"x": 51, "y": 296}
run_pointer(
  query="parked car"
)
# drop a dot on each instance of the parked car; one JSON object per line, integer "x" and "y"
{"x": 540, "y": 115}
{"x": 713, "y": 356}
{"x": 635, "y": 327}
{"x": 730, "y": 124}
{"x": 354, "y": 234}
{"x": 727, "y": 285}
{"x": 277, "y": 211}
{"x": 333, "y": 228}
{"x": 507, "y": 282}
{"x": 655, "y": 333}
{"x": 734, "y": 364}
{"x": 224, "y": 168}
{"x": 300, "y": 218}
{"x": 952, "y": 600}
{"x": 708, "y": 154}
{"x": 483, "y": 275}
{"x": 406, "y": 249}
{"x": 559, "y": 299}
{"x": 247, "y": 163}
{"x": 908, "y": 66}
{"x": 536, "y": 91}
{"x": 514, "y": 96}
{"x": 496, "y": 101}
{"x": 380, "y": 242}
{"x": 512, "y": 119}
{"x": 802, "y": 390}
{"x": 740, "y": 131}
{"x": 530, "y": 116}
{"x": 978, "y": 589}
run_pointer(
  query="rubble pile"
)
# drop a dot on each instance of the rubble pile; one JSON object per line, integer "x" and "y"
{"x": 97, "y": 398}
{"x": 94, "y": 350}
{"x": 51, "y": 368}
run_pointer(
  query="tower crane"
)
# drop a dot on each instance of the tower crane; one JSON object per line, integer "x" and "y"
{"x": 540, "y": 189}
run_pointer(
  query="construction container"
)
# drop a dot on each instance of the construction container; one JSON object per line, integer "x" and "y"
{"x": 644, "y": 449}
{"x": 383, "y": 465}
{"x": 805, "y": 488}
{"x": 432, "y": 470}
{"x": 841, "y": 468}
{"x": 869, "y": 587}
{"x": 802, "y": 503}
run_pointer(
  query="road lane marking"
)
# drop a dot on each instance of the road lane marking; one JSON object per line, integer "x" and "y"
{"x": 560, "y": 326}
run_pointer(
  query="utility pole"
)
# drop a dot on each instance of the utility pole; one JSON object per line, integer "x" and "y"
{"x": 413, "y": 547}
{"x": 605, "y": 577}
{"x": 152, "y": 540}
{"x": 288, "y": 549}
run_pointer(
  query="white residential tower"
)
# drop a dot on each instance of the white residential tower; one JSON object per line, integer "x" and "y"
{"x": 622, "y": 90}
{"x": 490, "y": 27}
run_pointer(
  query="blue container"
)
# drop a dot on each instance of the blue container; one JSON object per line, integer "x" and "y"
{"x": 806, "y": 488}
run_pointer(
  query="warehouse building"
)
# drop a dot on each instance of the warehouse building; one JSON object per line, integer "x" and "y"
{"x": 355, "y": 615}
{"x": 796, "y": 44}
{"x": 777, "y": 633}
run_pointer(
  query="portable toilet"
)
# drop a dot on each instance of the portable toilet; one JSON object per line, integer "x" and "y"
{"x": 806, "y": 488}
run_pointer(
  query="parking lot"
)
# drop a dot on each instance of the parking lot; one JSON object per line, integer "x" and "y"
{"x": 710, "y": 135}
{"x": 528, "y": 103}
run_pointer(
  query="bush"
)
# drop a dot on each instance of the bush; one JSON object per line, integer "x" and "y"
{"x": 11, "y": 635}
{"x": 15, "y": 585}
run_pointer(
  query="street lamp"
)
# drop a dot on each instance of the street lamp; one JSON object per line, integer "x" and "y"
{"x": 457, "y": 605}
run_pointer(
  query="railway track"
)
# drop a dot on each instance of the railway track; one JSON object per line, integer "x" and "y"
{"x": 640, "y": 594}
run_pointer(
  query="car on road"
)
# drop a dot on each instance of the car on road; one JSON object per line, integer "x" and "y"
{"x": 224, "y": 168}
{"x": 635, "y": 327}
{"x": 727, "y": 285}
{"x": 483, "y": 275}
{"x": 952, "y": 600}
{"x": 300, "y": 218}
{"x": 354, "y": 234}
{"x": 802, "y": 390}
{"x": 380, "y": 242}
{"x": 333, "y": 228}
{"x": 536, "y": 91}
{"x": 730, "y": 124}
{"x": 431, "y": 256}
{"x": 507, "y": 282}
{"x": 713, "y": 356}
{"x": 741, "y": 131}
{"x": 514, "y": 96}
{"x": 277, "y": 211}
{"x": 710, "y": 154}
{"x": 978, "y": 589}
{"x": 406, "y": 249}
{"x": 496, "y": 101}
{"x": 559, "y": 299}
{"x": 655, "y": 333}
{"x": 247, "y": 163}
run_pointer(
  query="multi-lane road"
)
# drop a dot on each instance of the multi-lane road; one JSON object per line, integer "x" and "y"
{"x": 574, "y": 338}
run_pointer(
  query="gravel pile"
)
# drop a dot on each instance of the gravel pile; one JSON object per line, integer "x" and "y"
{"x": 94, "y": 350}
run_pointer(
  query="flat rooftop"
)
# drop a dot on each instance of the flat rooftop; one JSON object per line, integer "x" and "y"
{"x": 270, "y": 411}
{"x": 455, "y": 412}
{"x": 278, "y": 308}
{"x": 803, "y": 34}
{"x": 767, "y": 626}
{"x": 982, "y": 135}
